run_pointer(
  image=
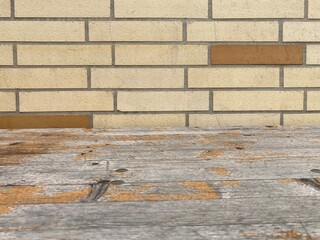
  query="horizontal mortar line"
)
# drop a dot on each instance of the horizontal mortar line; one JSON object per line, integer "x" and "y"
{"x": 55, "y": 19}
{"x": 156, "y": 19}
{"x": 159, "y": 42}
{"x": 102, "y": 19}
{"x": 162, "y": 66}
{"x": 206, "y": 112}
{"x": 154, "y": 42}
{"x": 205, "y": 90}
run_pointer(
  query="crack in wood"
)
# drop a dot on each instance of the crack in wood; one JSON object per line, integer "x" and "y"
{"x": 312, "y": 182}
{"x": 97, "y": 191}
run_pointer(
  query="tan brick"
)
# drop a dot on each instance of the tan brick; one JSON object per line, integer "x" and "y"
{"x": 258, "y": 100}
{"x": 5, "y": 8}
{"x": 135, "y": 31}
{"x": 6, "y": 55}
{"x": 301, "y": 31}
{"x": 258, "y": 9}
{"x": 233, "y": 31}
{"x": 302, "y": 77}
{"x": 301, "y": 119}
{"x": 7, "y": 102}
{"x": 43, "y": 78}
{"x": 66, "y": 101}
{"x": 161, "y": 55}
{"x": 137, "y": 78}
{"x": 163, "y": 101}
{"x": 64, "y": 55}
{"x": 230, "y": 120}
{"x": 313, "y": 54}
{"x": 62, "y": 8}
{"x": 138, "y": 120}
{"x": 314, "y": 9}
{"x": 161, "y": 9}
{"x": 313, "y": 100}
{"x": 233, "y": 77}
{"x": 41, "y": 31}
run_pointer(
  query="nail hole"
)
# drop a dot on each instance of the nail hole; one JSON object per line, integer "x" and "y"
{"x": 240, "y": 148}
{"x": 121, "y": 170}
{"x": 117, "y": 182}
{"x": 82, "y": 154}
{"x": 15, "y": 143}
{"x": 95, "y": 163}
{"x": 91, "y": 151}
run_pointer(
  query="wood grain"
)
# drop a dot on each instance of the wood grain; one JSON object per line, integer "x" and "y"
{"x": 233, "y": 183}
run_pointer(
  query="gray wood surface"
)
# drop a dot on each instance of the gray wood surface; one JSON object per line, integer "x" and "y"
{"x": 234, "y": 183}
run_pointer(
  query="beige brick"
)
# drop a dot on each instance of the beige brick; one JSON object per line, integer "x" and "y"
{"x": 66, "y": 101}
{"x": 314, "y": 9}
{"x": 41, "y": 31}
{"x": 313, "y": 54}
{"x": 6, "y": 55}
{"x": 163, "y": 101}
{"x": 301, "y": 119}
{"x": 313, "y": 100}
{"x": 135, "y": 31}
{"x": 230, "y": 120}
{"x": 233, "y": 31}
{"x": 7, "y": 102}
{"x": 161, "y": 9}
{"x": 258, "y": 9}
{"x": 301, "y": 31}
{"x": 302, "y": 77}
{"x": 233, "y": 77}
{"x": 138, "y": 120}
{"x": 161, "y": 55}
{"x": 258, "y": 100}
{"x": 5, "y": 8}
{"x": 137, "y": 78}
{"x": 12, "y": 78}
{"x": 64, "y": 55}
{"x": 62, "y": 8}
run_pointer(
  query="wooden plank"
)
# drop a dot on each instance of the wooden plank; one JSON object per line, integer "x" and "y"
{"x": 234, "y": 183}
{"x": 289, "y": 231}
{"x": 167, "y": 213}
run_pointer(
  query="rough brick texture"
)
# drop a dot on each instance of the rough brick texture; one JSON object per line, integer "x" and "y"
{"x": 159, "y": 63}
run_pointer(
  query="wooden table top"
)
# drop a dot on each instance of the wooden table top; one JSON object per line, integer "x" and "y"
{"x": 232, "y": 183}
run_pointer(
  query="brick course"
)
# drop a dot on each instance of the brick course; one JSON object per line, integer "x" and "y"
{"x": 159, "y": 63}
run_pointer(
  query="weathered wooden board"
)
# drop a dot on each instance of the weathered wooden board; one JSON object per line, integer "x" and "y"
{"x": 290, "y": 231}
{"x": 236, "y": 183}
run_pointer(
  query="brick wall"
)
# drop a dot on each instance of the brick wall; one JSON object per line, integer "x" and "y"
{"x": 156, "y": 63}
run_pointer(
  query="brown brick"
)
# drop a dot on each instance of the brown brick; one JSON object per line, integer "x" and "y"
{"x": 45, "y": 121}
{"x": 256, "y": 54}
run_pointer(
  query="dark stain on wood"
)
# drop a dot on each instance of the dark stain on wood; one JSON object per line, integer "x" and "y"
{"x": 97, "y": 190}
{"x": 312, "y": 182}
{"x": 121, "y": 170}
{"x": 13, "y": 154}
